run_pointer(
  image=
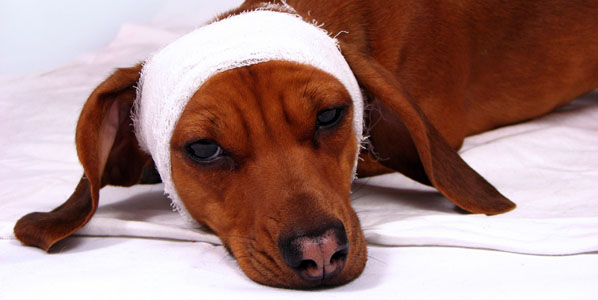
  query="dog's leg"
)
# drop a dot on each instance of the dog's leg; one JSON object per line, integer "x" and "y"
{"x": 110, "y": 155}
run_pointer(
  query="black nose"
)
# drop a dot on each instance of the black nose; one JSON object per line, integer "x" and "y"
{"x": 317, "y": 254}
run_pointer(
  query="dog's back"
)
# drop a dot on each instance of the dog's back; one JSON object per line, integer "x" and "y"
{"x": 474, "y": 65}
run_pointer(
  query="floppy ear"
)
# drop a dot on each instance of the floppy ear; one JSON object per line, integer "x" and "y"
{"x": 442, "y": 165}
{"x": 109, "y": 153}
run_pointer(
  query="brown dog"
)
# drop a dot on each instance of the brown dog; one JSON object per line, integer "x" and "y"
{"x": 271, "y": 178}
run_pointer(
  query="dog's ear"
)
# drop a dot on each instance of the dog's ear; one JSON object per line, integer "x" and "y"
{"x": 109, "y": 153}
{"x": 443, "y": 167}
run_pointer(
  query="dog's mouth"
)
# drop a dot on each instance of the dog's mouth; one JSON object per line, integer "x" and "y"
{"x": 325, "y": 256}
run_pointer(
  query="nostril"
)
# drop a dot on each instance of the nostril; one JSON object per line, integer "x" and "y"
{"x": 306, "y": 264}
{"x": 309, "y": 270}
{"x": 337, "y": 262}
{"x": 340, "y": 255}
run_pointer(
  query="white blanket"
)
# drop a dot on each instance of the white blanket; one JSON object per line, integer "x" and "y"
{"x": 548, "y": 166}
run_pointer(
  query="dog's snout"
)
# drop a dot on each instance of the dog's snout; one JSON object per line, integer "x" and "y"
{"x": 318, "y": 256}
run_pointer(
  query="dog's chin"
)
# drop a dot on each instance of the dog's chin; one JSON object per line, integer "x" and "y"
{"x": 263, "y": 268}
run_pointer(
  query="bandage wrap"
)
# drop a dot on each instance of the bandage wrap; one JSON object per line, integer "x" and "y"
{"x": 172, "y": 76}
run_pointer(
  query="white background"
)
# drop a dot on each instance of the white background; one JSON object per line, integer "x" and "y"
{"x": 36, "y": 36}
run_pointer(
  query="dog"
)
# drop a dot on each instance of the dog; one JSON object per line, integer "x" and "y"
{"x": 271, "y": 174}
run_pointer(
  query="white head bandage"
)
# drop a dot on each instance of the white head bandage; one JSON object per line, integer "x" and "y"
{"x": 173, "y": 75}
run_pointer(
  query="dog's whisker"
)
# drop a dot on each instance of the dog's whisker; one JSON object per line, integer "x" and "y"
{"x": 376, "y": 259}
{"x": 262, "y": 269}
{"x": 264, "y": 255}
{"x": 263, "y": 258}
{"x": 268, "y": 257}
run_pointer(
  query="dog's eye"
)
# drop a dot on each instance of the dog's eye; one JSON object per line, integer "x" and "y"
{"x": 329, "y": 117}
{"x": 204, "y": 150}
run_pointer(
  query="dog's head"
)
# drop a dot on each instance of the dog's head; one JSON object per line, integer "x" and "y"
{"x": 263, "y": 155}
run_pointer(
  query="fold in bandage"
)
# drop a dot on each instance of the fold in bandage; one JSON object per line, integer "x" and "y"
{"x": 173, "y": 75}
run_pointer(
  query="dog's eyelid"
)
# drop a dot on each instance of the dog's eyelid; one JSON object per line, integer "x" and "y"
{"x": 327, "y": 118}
{"x": 204, "y": 150}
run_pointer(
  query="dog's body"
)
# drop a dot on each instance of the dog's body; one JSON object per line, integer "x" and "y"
{"x": 277, "y": 192}
{"x": 464, "y": 61}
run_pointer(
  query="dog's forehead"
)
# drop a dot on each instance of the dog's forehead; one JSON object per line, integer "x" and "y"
{"x": 273, "y": 82}
{"x": 270, "y": 96}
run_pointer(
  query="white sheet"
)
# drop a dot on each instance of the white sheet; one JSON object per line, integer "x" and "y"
{"x": 115, "y": 268}
{"x": 549, "y": 167}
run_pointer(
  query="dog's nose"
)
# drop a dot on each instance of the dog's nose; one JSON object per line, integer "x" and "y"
{"x": 316, "y": 256}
